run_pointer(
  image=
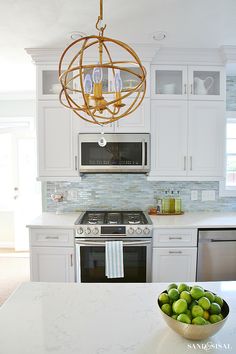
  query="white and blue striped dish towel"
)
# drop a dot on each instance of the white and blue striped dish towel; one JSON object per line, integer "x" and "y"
{"x": 114, "y": 259}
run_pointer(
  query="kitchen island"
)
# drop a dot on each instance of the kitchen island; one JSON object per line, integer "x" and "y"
{"x": 42, "y": 318}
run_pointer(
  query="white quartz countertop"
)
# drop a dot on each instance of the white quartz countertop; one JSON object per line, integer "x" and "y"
{"x": 197, "y": 219}
{"x": 52, "y": 220}
{"x": 70, "y": 318}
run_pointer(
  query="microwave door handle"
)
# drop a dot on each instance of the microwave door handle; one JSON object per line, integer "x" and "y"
{"x": 95, "y": 243}
{"x": 143, "y": 153}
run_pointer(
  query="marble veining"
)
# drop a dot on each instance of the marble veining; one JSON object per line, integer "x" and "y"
{"x": 69, "y": 318}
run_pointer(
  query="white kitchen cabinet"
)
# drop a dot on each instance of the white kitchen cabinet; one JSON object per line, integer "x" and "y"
{"x": 187, "y": 138}
{"x": 168, "y": 138}
{"x": 206, "y": 138}
{"x": 174, "y": 255}
{"x": 197, "y": 82}
{"x": 136, "y": 122}
{"x": 174, "y": 264}
{"x": 52, "y": 256}
{"x": 57, "y": 154}
{"x": 52, "y": 264}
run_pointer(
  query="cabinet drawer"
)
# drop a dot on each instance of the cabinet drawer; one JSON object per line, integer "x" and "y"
{"x": 51, "y": 237}
{"x": 174, "y": 237}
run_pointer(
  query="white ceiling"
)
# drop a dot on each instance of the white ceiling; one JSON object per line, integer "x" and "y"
{"x": 47, "y": 23}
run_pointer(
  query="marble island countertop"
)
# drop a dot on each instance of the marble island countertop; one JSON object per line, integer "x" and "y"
{"x": 67, "y": 318}
{"x": 195, "y": 220}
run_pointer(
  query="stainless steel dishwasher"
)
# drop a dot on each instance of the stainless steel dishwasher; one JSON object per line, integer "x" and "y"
{"x": 216, "y": 259}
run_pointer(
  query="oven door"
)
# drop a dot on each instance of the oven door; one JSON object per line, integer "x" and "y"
{"x": 90, "y": 261}
{"x": 122, "y": 153}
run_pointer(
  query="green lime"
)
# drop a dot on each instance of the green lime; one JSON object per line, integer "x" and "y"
{"x": 174, "y": 316}
{"x": 197, "y": 311}
{"x": 188, "y": 313}
{"x": 184, "y": 318}
{"x": 218, "y": 300}
{"x": 215, "y": 318}
{"x": 164, "y": 298}
{"x": 173, "y": 294}
{"x": 186, "y": 296}
{"x": 221, "y": 316}
{"x": 209, "y": 295}
{"x": 215, "y": 309}
{"x": 204, "y": 302}
{"x": 171, "y": 286}
{"x": 199, "y": 321}
{"x": 166, "y": 308}
{"x": 196, "y": 292}
{"x": 193, "y": 303}
{"x": 206, "y": 315}
{"x": 180, "y": 306}
{"x": 182, "y": 287}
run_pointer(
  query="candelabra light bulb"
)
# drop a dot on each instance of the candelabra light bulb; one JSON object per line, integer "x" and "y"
{"x": 118, "y": 82}
{"x": 88, "y": 85}
{"x": 97, "y": 75}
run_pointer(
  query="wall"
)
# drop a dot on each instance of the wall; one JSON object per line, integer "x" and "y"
{"x": 130, "y": 191}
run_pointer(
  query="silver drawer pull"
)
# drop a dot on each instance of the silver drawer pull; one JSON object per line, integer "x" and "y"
{"x": 71, "y": 260}
{"x": 175, "y": 252}
{"x": 52, "y": 237}
{"x": 175, "y": 238}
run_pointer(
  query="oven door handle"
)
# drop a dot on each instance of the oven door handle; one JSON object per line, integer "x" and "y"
{"x": 95, "y": 243}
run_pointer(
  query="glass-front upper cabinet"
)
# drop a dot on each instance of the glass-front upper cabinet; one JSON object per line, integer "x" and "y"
{"x": 169, "y": 81}
{"x": 48, "y": 85}
{"x": 206, "y": 82}
{"x": 192, "y": 82}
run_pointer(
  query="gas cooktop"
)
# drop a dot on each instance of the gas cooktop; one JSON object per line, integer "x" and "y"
{"x": 112, "y": 218}
{"x": 114, "y": 223}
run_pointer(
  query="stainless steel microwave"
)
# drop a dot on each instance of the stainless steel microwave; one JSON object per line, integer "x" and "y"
{"x": 121, "y": 153}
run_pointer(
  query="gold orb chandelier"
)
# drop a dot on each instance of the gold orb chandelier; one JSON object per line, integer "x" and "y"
{"x": 95, "y": 91}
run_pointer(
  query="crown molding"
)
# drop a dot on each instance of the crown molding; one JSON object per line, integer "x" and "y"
{"x": 42, "y": 56}
{"x": 228, "y": 53}
{"x": 184, "y": 56}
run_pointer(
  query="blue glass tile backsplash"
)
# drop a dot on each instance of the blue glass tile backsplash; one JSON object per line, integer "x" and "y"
{"x": 129, "y": 191}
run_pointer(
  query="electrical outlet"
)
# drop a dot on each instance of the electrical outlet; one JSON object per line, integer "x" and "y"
{"x": 194, "y": 195}
{"x": 72, "y": 194}
{"x": 208, "y": 195}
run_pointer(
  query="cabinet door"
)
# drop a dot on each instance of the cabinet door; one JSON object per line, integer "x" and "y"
{"x": 136, "y": 122}
{"x": 48, "y": 85}
{"x": 55, "y": 140}
{"x": 169, "y": 81}
{"x": 206, "y": 82}
{"x": 169, "y": 138}
{"x": 174, "y": 264}
{"x": 206, "y": 138}
{"x": 52, "y": 264}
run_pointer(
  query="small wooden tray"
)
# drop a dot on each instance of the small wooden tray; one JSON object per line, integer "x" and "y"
{"x": 163, "y": 214}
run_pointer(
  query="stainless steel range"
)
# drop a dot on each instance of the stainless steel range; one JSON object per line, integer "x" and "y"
{"x": 95, "y": 228}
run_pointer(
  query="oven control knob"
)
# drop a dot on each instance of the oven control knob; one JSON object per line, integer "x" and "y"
{"x": 88, "y": 231}
{"x": 146, "y": 231}
{"x": 131, "y": 230}
{"x": 138, "y": 230}
{"x": 95, "y": 231}
{"x": 80, "y": 230}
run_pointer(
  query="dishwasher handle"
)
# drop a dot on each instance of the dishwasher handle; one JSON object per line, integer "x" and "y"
{"x": 221, "y": 240}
